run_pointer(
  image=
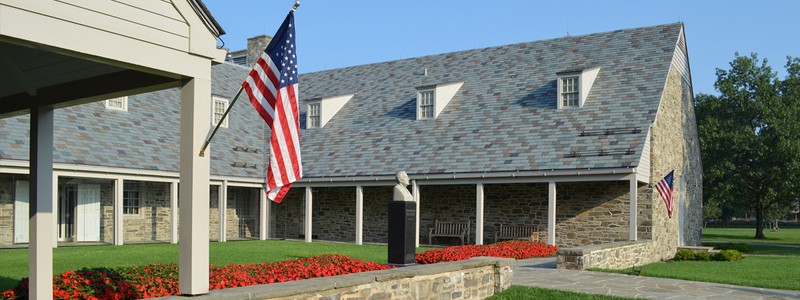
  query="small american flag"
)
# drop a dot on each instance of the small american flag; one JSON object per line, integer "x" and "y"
{"x": 664, "y": 188}
{"x": 272, "y": 89}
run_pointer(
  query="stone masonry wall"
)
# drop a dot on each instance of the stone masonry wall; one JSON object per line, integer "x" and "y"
{"x": 592, "y": 213}
{"x": 475, "y": 278}
{"x": 514, "y": 204}
{"x": 213, "y": 213}
{"x": 334, "y": 214}
{"x": 287, "y": 216}
{"x": 7, "y": 194}
{"x": 674, "y": 143}
{"x": 242, "y": 224}
{"x": 446, "y": 203}
{"x": 154, "y": 222}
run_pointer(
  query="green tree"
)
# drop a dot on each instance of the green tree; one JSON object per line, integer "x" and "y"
{"x": 750, "y": 137}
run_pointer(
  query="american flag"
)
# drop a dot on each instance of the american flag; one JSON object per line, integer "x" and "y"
{"x": 272, "y": 89}
{"x": 664, "y": 188}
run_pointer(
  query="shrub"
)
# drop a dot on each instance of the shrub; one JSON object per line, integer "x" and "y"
{"x": 702, "y": 256}
{"x": 728, "y": 255}
{"x": 685, "y": 255}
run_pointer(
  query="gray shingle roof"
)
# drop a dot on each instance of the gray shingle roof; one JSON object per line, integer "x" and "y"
{"x": 147, "y": 135}
{"x": 504, "y": 117}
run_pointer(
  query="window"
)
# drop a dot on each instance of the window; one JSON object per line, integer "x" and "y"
{"x": 569, "y": 91}
{"x": 313, "y": 115}
{"x": 425, "y": 104}
{"x": 239, "y": 60}
{"x": 218, "y": 110}
{"x": 131, "y": 198}
{"x": 242, "y": 202}
{"x": 120, "y": 103}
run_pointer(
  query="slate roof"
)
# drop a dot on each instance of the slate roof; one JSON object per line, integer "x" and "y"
{"x": 146, "y": 136}
{"x": 504, "y": 117}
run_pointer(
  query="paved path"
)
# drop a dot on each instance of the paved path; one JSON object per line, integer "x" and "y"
{"x": 541, "y": 272}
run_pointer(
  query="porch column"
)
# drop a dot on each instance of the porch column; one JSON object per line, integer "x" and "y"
{"x": 479, "y": 214}
{"x": 415, "y": 194}
{"x": 263, "y": 234}
{"x": 551, "y": 213}
{"x": 55, "y": 210}
{"x": 307, "y": 221}
{"x": 359, "y": 215}
{"x": 173, "y": 211}
{"x": 223, "y": 210}
{"x": 40, "y": 255}
{"x": 634, "y": 191}
{"x": 194, "y": 177}
{"x": 119, "y": 184}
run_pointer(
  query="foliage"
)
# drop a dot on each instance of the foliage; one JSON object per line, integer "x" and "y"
{"x": 756, "y": 271}
{"x": 741, "y": 247}
{"x": 702, "y": 256}
{"x": 683, "y": 255}
{"x": 159, "y": 280}
{"x": 750, "y": 139}
{"x": 525, "y": 292}
{"x": 509, "y": 249}
{"x": 728, "y": 255}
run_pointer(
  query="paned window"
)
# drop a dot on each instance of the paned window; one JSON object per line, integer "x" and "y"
{"x": 569, "y": 91}
{"x": 313, "y": 115}
{"x": 220, "y": 105}
{"x": 120, "y": 103}
{"x": 426, "y": 104}
{"x": 131, "y": 198}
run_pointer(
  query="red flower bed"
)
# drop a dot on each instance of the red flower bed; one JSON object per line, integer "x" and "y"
{"x": 162, "y": 280}
{"x": 509, "y": 249}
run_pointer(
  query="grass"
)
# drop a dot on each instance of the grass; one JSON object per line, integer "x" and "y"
{"x": 766, "y": 249}
{"x": 756, "y": 271}
{"x": 523, "y": 292}
{"x": 14, "y": 265}
{"x": 745, "y": 235}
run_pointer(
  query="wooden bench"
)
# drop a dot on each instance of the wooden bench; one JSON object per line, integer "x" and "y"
{"x": 449, "y": 229}
{"x": 517, "y": 232}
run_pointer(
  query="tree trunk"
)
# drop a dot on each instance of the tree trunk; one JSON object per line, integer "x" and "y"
{"x": 759, "y": 223}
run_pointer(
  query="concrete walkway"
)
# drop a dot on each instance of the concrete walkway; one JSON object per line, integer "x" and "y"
{"x": 541, "y": 272}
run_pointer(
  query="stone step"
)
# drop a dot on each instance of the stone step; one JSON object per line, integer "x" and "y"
{"x": 696, "y": 249}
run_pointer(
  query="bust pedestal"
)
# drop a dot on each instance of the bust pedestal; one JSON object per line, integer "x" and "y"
{"x": 402, "y": 227}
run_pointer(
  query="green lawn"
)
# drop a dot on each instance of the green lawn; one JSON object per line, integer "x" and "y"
{"x": 766, "y": 272}
{"x": 782, "y": 236}
{"x": 524, "y": 292}
{"x": 14, "y": 263}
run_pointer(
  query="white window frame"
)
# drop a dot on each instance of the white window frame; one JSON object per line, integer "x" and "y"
{"x": 123, "y": 99}
{"x": 310, "y": 118}
{"x": 421, "y": 109}
{"x": 214, "y": 101}
{"x": 577, "y": 92}
{"x": 133, "y": 187}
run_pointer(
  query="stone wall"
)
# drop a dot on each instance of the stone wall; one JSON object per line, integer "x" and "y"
{"x": 514, "y": 204}
{"x": 7, "y": 194}
{"x": 213, "y": 213}
{"x": 242, "y": 220}
{"x": 446, "y": 203}
{"x": 592, "y": 213}
{"x": 619, "y": 255}
{"x": 154, "y": 222}
{"x": 475, "y": 278}
{"x": 334, "y": 214}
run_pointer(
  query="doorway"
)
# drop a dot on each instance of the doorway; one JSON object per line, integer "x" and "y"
{"x": 79, "y": 213}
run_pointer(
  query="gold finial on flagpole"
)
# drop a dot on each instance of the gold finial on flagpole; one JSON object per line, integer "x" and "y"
{"x": 296, "y": 5}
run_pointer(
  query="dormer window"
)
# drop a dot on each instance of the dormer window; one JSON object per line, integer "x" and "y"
{"x": 426, "y": 104}
{"x": 319, "y": 111}
{"x": 574, "y": 86}
{"x": 120, "y": 103}
{"x": 313, "y": 115}
{"x": 431, "y": 100}
{"x": 220, "y": 105}
{"x": 569, "y": 91}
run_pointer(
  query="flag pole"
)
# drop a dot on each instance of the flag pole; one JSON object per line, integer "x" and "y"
{"x": 211, "y": 136}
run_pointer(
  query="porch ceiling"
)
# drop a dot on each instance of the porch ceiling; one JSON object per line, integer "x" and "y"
{"x": 35, "y": 75}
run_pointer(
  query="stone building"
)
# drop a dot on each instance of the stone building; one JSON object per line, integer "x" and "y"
{"x": 568, "y": 134}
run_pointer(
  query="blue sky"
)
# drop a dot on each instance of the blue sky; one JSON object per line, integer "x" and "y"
{"x": 335, "y": 34}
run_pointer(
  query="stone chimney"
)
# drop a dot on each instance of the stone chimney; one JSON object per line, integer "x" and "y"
{"x": 256, "y": 46}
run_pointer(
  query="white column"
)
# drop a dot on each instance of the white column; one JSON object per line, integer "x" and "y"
{"x": 415, "y": 194}
{"x": 307, "y": 222}
{"x": 55, "y": 210}
{"x": 40, "y": 255}
{"x": 173, "y": 211}
{"x": 263, "y": 234}
{"x": 194, "y": 177}
{"x": 551, "y": 213}
{"x": 359, "y": 215}
{"x": 119, "y": 184}
{"x": 634, "y": 191}
{"x": 223, "y": 211}
{"x": 479, "y": 214}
